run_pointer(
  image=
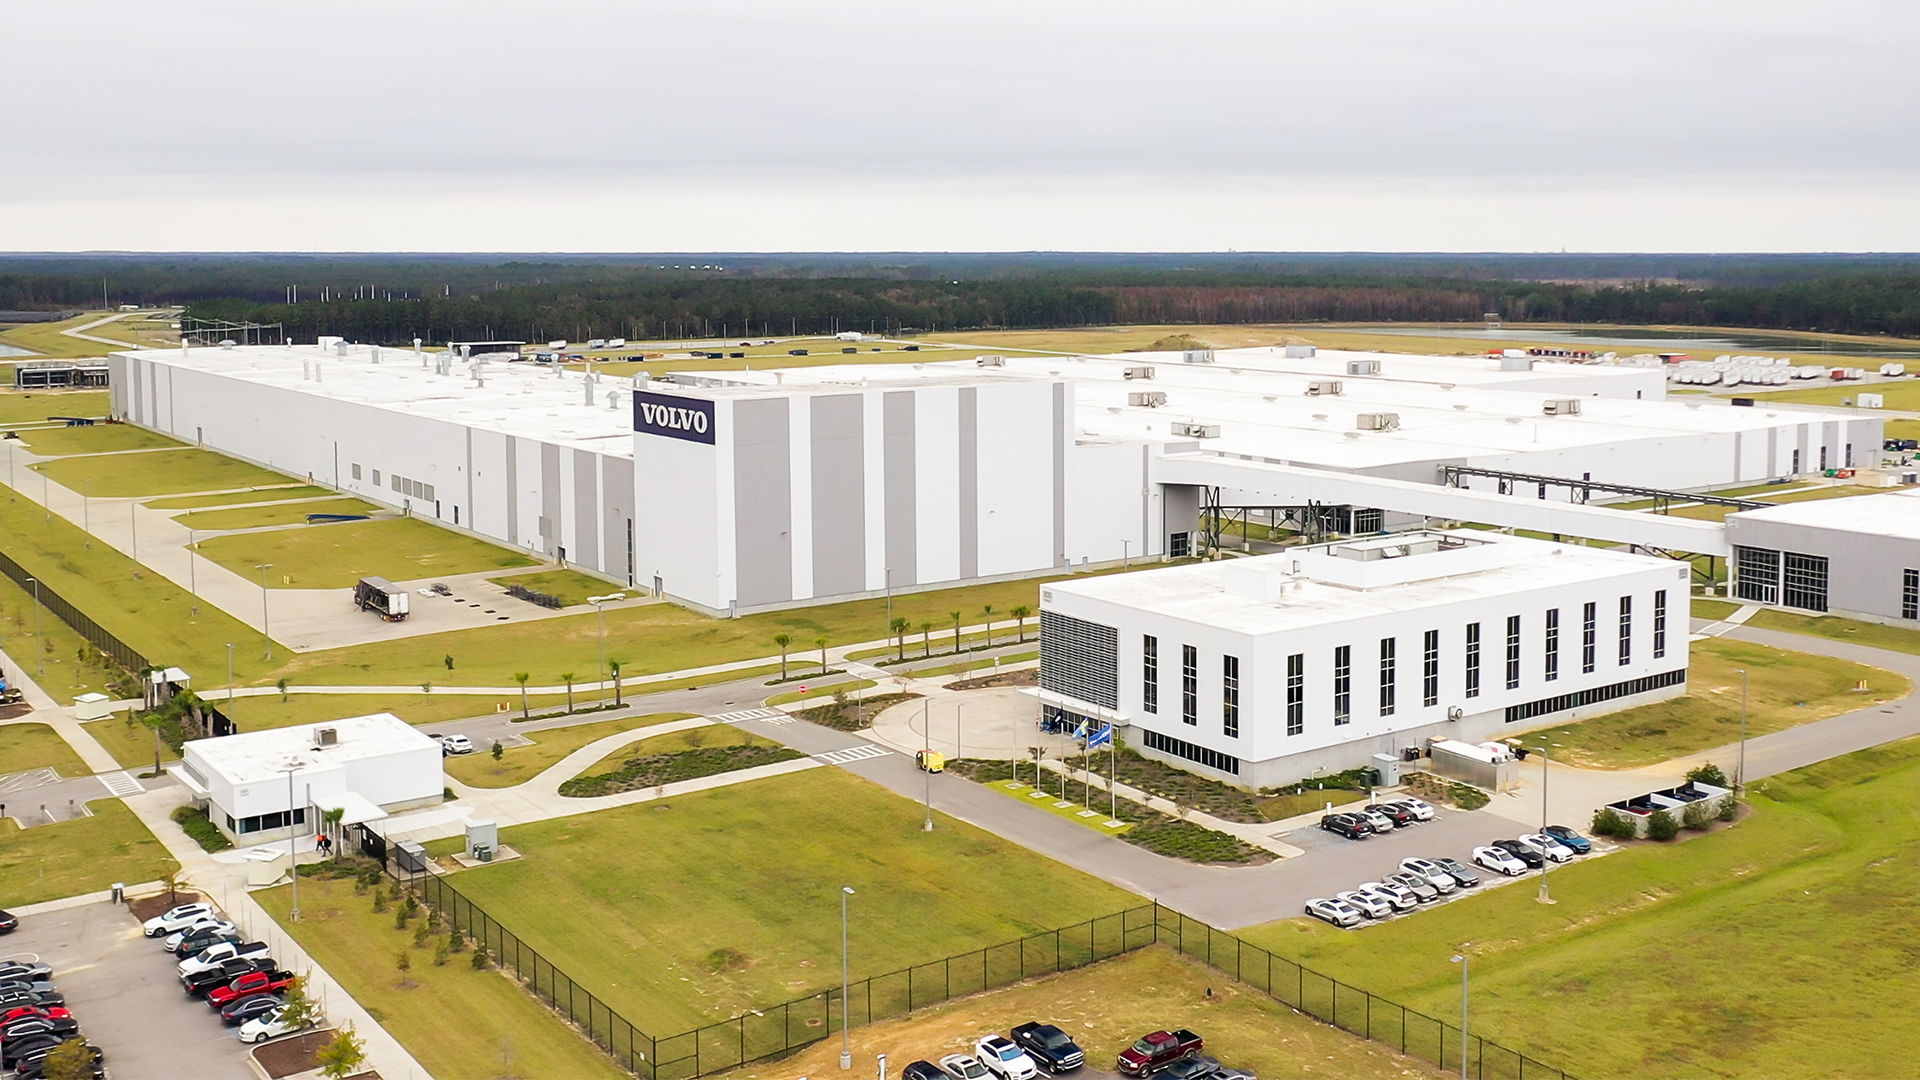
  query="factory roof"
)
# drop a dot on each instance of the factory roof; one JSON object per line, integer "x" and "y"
{"x": 1350, "y": 580}
{"x": 523, "y": 399}
{"x": 1894, "y": 514}
{"x": 256, "y": 756}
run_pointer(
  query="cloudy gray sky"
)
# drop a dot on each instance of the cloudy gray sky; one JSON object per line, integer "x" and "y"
{"x": 989, "y": 125}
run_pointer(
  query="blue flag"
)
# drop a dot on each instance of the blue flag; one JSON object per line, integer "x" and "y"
{"x": 1103, "y": 736}
{"x": 1082, "y": 733}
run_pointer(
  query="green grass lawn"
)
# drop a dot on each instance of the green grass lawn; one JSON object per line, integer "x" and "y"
{"x": 336, "y": 556}
{"x": 686, "y": 911}
{"x": 1838, "y": 629}
{"x": 98, "y": 439}
{"x": 37, "y": 746}
{"x": 132, "y": 745}
{"x": 1784, "y": 689}
{"x": 60, "y": 650}
{"x": 235, "y": 498}
{"x": 1780, "y": 947}
{"x": 28, "y": 406}
{"x": 47, "y": 340}
{"x": 1902, "y": 429}
{"x": 519, "y": 764}
{"x": 84, "y": 855}
{"x": 1713, "y": 609}
{"x": 670, "y": 743}
{"x": 254, "y": 517}
{"x": 164, "y": 472}
{"x": 1901, "y": 394}
{"x": 457, "y": 1022}
{"x": 570, "y": 586}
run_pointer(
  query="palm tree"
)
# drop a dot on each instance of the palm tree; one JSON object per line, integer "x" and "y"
{"x": 926, "y": 634}
{"x": 989, "y": 613}
{"x": 955, "y": 616}
{"x": 899, "y": 628}
{"x": 521, "y": 677}
{"x": 1020, "y": 614}
{"x": 614, "y": 666}
{"x": 782, "y": 641}
{"x": 821, "y": 644}
{"x": 567, "y": 677}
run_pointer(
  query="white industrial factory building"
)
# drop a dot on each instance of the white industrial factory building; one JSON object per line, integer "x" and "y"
{"x": 1265, "y": 670}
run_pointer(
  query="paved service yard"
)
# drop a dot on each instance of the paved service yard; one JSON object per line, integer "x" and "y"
{"x": 124, "y": 989}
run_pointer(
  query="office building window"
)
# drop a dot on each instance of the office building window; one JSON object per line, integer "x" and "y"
{"x": 1910, "y": 594}
{"x": 1803, "y": 581}
{"x": 1553, "y": 644}
{"x": 1386, "y": 676}
{"x": 1595, "y": 695}
{"x": 1199, "y": 755}
{"x": 1626, "y": 629}
{"x": 1343, "y": 684}
{"x": 1296, "y": 693}
{"x": 1758, "y": 573}
{"x": 1150, "y": 673}
{"x": 1513, "y": 652}
{"x": 1189, "y": 685}
{"x": 1230, "y": 696}
{"x": 1659, "y": 624}
{"x": 1178, "y": 545}
{"x": 1589, "y": 635}
{"x": 356, "y": 472}
{"x": 1430, "y": 669}
{"x": 1473, "y": 659}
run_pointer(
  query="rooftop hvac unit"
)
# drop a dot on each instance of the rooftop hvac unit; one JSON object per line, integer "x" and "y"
{"x": 1300, "y": 352}
{"x": 1188, "y": 430}
{"x": 1147, "y": 399}
{"x": 1139, "y": 373}
{"x": 327, "y": 736}
{"x": 1509, "y": 362}
{"x": 1363, "y": 367}
{"x": 1197, "y": 356}
{"x": 1377, "y": 421}
{"x": 1323, "y": 388}
{"x": 990, "y": 361}
{"x": 1562, "y": 407}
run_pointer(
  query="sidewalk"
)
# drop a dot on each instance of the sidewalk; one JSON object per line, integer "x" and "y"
{"x": 58, "y": 717}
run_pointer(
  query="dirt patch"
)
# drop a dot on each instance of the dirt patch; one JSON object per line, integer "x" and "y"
{"x": 8, "y": 712}
{"x": 284, "y": 1057}
{"x": 160, "y": 903}
{"x": 1023, "y": 677}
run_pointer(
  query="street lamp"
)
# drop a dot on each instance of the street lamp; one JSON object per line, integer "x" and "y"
{"x": 1126, "y": 554}
{"x": 846, "y": 1038}
{"x": 1740, "y": 771}
{"x": 86, "y": 510}
{"x": 1461, "y": 959}
{"x": 601, "y": 615}
{"x": 1543, "y": 898}
{"x": 293, "y": 855}
{"x": 266, "y": 635}
{"x": 926, "y": 731}
{"x": 193, "y": 574}
{"x": 229, "y": 682}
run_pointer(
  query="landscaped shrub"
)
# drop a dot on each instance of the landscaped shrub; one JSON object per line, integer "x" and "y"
{"x": 657, "y": 769}
{"x": 1662, "y": 826}
{"x": 1468, "y": 797}
{"x": 1697, "y": 817}
{"x": 1710, "y": 774}
{"x": 204, "y": 832}
{"x": 1728, "y": 809}
{"x": 844, "y": 713}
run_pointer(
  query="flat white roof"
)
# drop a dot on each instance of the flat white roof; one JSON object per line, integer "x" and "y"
{"x": 1216, "y": 594}
{"x": 1895, "y": 514}
{"x": 254, "y": 756}
{"x": 521, "y": 399}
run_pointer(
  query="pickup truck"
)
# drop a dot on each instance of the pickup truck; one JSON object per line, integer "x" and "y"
{"x": 216, "y": 955}
{"x": 270, "y": 981}
{"x": 202, "y": 983}
{"x": 1157, "y": 1051}
{"x": 1050, "y": 1047}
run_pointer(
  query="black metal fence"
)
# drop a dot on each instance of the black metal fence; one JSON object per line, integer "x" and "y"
{"x": 773, "y": 1032}
{"x": 118, "y": 651}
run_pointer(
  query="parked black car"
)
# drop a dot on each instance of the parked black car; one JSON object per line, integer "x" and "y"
{"x": 1400, "y": 815}
{"x": 1569, "y": 839}
{"x": 190, "y": 949}
{"x": 1519, "y": 851}
{"x": 9, "y": 922}
{"x": 923, "y": 1070}
{"x": 22, "y": 969}
{"x": 244, "y": 1009}
{"x": 17, "y": 1049}
{"x": 33, "y": 1066}
{"x": 1458, "y": 871}
{"x": 57, "y": 1026}
{"x": 1346, "y": 825}
{"x": 10, "y": 999}
{"x": 1049, "y": 1047}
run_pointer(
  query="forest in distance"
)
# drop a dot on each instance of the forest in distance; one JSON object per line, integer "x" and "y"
{"x": 393, "y": 299}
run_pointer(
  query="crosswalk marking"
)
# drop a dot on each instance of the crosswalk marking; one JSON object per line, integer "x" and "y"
{"x": 120, "y": 784}
{"x": 31, "y": 779}
{"x": 866, "y": 671}
{"x": 852, "y": 754}
{"x": 771, "y": 716}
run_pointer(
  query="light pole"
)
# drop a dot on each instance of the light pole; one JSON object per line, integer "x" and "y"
{"x": 926, "y": 730}
{"x": 958, "y": 750}
{"x": 39, "y": 646}
{"x": 1543, "y": 898}
{"x": 229, "y": 682}
{"x": 846, "y": 1038}
{"x": 293, "y": 855}
{"x": 889, "y": 599}
{"x": 193, "y": 575}
{"x": 86, "y": 510}
{"x": 1461, "y": 959}
{"x": 600, "y": 615}
{"x": 1740, "y": 770}
{"x": 266, "y": 634}
{"x": 133, "y": 521}
{"x": 1126, "y": 554}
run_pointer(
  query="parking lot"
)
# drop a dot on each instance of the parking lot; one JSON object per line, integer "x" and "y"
{"x": 125, "y": 991}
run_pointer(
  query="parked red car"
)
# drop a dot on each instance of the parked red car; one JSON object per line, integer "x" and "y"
{"x": 255, "y": 982}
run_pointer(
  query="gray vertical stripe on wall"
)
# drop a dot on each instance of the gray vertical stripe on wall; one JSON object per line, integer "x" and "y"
{"x": 1059, "y": 474}
{"x": 586, "y": 497}
{"x": 1146, "y": 505}
{"x": 1773, "y": 452}
{"x": 513, "y": 490}
{"x": 468, "y": 519}
{"x": 762, "y": 501}
{"x": 902, "y": 512}
{"x": 839, "y": 495}
{"x": 550, "y": 495}
{"x": 969, "y": 482}
{"x": 618, "y": 503}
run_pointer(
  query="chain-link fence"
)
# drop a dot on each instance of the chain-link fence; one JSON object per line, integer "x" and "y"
{"x": 778, "y": 1030}
{"x": 118, "y": 651}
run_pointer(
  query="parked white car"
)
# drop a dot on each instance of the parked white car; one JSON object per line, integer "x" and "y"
{"x": 457, "y": 744}
{"x": 1430, "y": 872}
{"x": 1004, "y": 1058}
{"x": 265, "y": 1026}
{"x": 179, "y": 918}
{"x": 1420, "y": 810}
{"x": 1336, "y": 912}
{"x": 1381, "y": 823}
{"x": 1396, "y": 895}
{"x": 216, "y": 955}
{"x": 1547, "y": 847}
{"x": 1372, "y": 905}
{"x": 1498, "y": 861}
{"x": 964, "y": 1067}
{"x": 213, "y": 924}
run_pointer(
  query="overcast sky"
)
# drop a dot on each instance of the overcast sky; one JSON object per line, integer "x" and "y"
{"x": 752, "y": 125}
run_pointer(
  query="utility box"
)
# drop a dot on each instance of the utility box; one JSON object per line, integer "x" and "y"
{"x": 1138, "y": 373}
{"x": 1873, "y": 401}
{"x": 1147, "y": 399}
{"x": 1387, "y": 768}
{"x": 382, "y": 597}
{"x": 1561, "y": 407}
{"x": 482, "y": 834}
{"x": 410, "y": 856}
{"x": 1363, "y": 367}
{"x": 1323, "y": 388}
{"x": 1300, "y": 352}
{"x": 89, "y": 706}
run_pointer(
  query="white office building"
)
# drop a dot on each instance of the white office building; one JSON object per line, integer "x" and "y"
{"x": 258, "y": 785}
{"x": 1262, "y": 671}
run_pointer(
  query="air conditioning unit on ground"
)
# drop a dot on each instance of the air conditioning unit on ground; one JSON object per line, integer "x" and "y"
{"x": 990, "y": 361}
{"x": 1562, "y": 407}
{"x": 1139, "y": 373}
{"x": 1323, "y": 388}
{"x": 1363, "y": 367}
{"x": 1197, "y": 356}
{"x": 1147, "y": 399}
{"x": 1188, "y": 430}
{"x": 1377, "y": 421}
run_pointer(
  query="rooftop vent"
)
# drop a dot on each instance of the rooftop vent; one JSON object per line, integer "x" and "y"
{"x": 990, "y": 361}
{"x": 1510, "y": 362}
{"x": 1562, "y": 407}
{"x": 1138, "y": 373}
{"x": 1300, "y": 352}
{"x": 1323, "y": 388}
{"x": 1377, "y": 421}
{"x": 1197, "y": 356}
{"x": 1190, "y": 430}
{"x": 1147, "y": 399}
{"x": 326, "y": 736}
{"x": 1363, "y": 367}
